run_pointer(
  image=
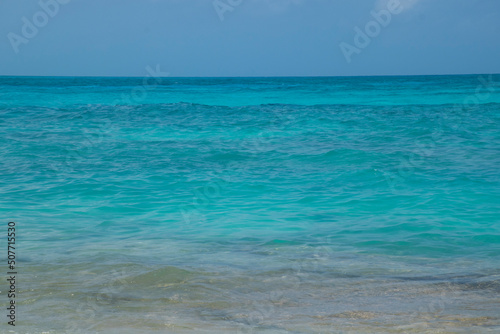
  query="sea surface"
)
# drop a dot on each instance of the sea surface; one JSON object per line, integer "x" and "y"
{"x": 252, "y": 205}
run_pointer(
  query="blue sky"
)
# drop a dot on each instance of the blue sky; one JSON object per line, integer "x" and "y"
{"x": 249, "y": 37}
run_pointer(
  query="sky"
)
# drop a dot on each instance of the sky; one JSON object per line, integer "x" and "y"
{"x": 249, "y": 37}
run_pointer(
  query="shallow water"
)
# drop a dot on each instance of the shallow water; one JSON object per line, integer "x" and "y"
{"x": 264, "y": 205}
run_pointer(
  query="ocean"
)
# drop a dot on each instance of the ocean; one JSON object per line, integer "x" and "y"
{"x": 252, "y": 205}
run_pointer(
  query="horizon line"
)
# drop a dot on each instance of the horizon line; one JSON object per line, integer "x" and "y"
{"x": 247, "y": 77}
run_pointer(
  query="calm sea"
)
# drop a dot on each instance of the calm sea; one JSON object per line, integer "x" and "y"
{"x": 252, "y": 205}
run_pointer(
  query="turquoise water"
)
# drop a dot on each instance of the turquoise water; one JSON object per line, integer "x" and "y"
{"x": 253, "y": 205}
